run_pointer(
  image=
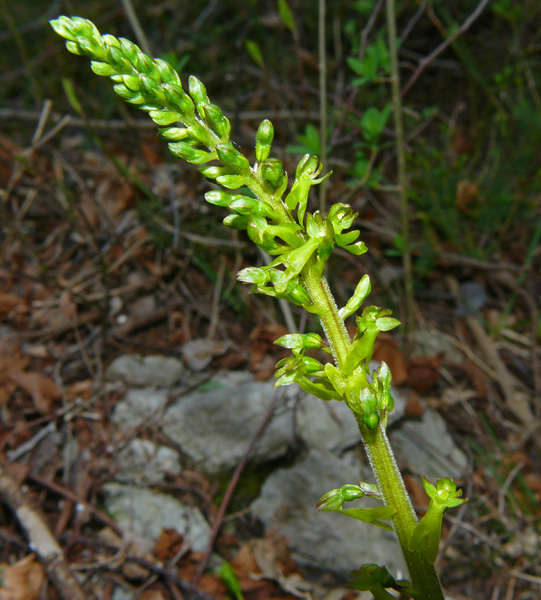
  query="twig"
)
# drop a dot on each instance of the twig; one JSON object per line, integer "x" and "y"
{"x": 143, "y": 562}
{"x": 402, "y": 183}
{"x": 412, "y": 22}
{"x": 41, "y": 540}
{"x": 231, "y": 488}
{"x": 136, "y": 26}
{"x": 71, "y": 495}
{"x": 322, "y": 51}
{"x": 435, "y": 53}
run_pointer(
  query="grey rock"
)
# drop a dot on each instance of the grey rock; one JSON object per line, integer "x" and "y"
{"x": 142, "y": 462}
{"x": 145, "y": 514}
{"x": 140, "y": 405}
{"x": 325, "y": 541}
{"x": 429, "y": 342}
{"x": 426, "y": 448}
{"x": 137, "y": 370}
{"x": 215, "y": 425}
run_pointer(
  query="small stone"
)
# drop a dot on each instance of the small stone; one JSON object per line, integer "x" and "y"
{"x": 142, "y": 462}
{"x": 137, "y": 370}
{"x": 139, "y": 405}
{"x": 426, "y": 447}
{"x": 325, "y": 541}
{"x": 145, "y": 513}
{"x": 215, "y": 424}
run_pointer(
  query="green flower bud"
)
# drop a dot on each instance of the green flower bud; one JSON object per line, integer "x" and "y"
{"x": 231, "y": 182}
{"x": 215, "y": 118}
{"x": 359, "y": 295}
{"x": 273, "y": 171}
{"x": 213, "y": 172}
{"x": 253, "y": 275}
{"x": 311, "y": 365}
{"x": 166, "y": 72}
{"x": 300, "y": 340}
{"x": 190, "y": 154}
{"x": 199, "y": 95}
{"x": 263, "y": 141}
{"x": 297, "y": 294}
{"x": 371, "y": 420}
{"x": 236, "y": 221}
{"x": 174, "y": 134}
{"x": 220, "y": 198}
{"x": 200, "y": 134}
{"x": 177, "y": 99}
{"x": 232, "y": 158}
{"x": 164, "y": 117}
{"x": 244, "y": 205}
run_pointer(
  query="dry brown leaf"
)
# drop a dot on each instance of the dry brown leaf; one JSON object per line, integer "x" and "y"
{"x": 41, "y": 387}
{"x": 467, "y": 192}
{"x": 11, "y": 358}
{"x": 168, "y": 544}
{"x": 8, "y": 301}
{"x": 386, "y": 350}
{"x": 424, "y": 372}
{"x": 152, "y": 595}
{"x": 22, "y": 580}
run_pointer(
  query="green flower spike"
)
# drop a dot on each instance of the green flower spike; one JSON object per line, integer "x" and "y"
{"x": 428, "y": 530}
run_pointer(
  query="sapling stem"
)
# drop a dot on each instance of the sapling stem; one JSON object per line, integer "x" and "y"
{"x": 276, "y": 219}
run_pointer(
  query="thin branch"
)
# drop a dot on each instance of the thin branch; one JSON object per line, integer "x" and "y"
{"x": 435, "y": 53}
{"x": 40, "y": 538}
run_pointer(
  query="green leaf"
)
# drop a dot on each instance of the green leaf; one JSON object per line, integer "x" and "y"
{"x": 229, "y": 577}
{"x": 254, "y": 51}
{"x": 286, "y": 14}
{"x": 373, "y": 122}
{"x": 387, "y": 323}
{"x": 375, "y": 515}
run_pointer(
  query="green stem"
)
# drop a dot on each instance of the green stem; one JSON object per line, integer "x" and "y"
{"x": 422, "y": 573}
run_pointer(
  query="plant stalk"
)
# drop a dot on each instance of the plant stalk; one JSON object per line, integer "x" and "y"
{"x": 409, "y": 320}
{"x": 423, "y": 575}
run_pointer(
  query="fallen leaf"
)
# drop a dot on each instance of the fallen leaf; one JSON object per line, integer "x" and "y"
{"x": 467, "y": 193}
{"x": 386, "y": 350}
{"x": 168, "y": 544}
{"x": 414, "y": 408}
{"x": 424, "y": 372}
{"x": 152, "y": 595}
{"x": 22, "y": 580}
{"x": 41, "y": 387}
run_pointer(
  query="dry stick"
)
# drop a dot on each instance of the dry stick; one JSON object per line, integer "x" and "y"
{"x": 71, "y": 495}
{"x": 322, "y": 100}
{"x": 136, "y": 26}
{"x": 402, "y": 190}
{"x": 348, "y": 105}
{"x": 231, "y": 488}
{"x": 41, "y": 540}
{"x": 435, "y": 53}
{"x": 108, "y": 124}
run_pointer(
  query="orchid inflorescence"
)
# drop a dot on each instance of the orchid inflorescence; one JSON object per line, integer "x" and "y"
{"x": 276, "y": 218}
